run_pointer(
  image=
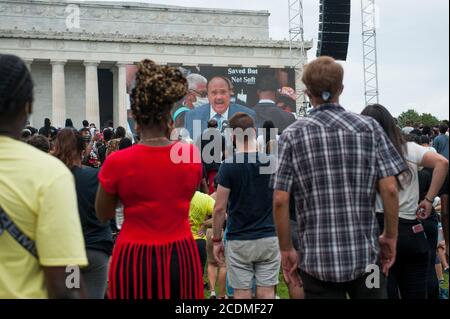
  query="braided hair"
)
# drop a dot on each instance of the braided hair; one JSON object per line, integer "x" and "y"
{"x": 157, "y": 89}
{"x": 16, "y": 87}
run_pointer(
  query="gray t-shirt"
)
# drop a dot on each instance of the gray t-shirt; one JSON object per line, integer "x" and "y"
{"x": 409, "y": 196}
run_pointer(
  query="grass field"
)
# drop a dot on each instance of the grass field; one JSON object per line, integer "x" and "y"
{"x": 282, "y": 290}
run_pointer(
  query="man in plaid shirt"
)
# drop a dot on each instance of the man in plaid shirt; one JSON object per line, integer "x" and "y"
{"x": 332, "y": 163}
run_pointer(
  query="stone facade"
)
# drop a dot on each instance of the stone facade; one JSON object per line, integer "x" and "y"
{"x": 63, "y": 60}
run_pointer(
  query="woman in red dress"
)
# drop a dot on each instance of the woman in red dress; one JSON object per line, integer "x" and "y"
{"x": 155, "y": 255}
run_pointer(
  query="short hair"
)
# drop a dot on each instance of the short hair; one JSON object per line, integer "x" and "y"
{"x": 323, "y": 75}
{"x": 40, "y": 142}
{"x": 85, "y": 123}
{"x": 85, "y": 129}
{"x": 268, "y": 83}
{"x": 212, "y": 123}
{"x": 424, "y": 139}
{"x": 120, "y": 132}
{"x": 194, "y": 80}
{"x": 244, "y": 122}
{"x": 426, "y": 130}
{"x": 224, "y": 78}
{"x": 125, "y": 143}
{"x": 443, "y": 128}
{"x": 108, "y": 134}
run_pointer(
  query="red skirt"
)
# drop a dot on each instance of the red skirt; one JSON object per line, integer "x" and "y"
{"x": 147, "y": 271}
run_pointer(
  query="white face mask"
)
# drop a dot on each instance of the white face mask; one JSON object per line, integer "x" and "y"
{"x": 200, "y": 101}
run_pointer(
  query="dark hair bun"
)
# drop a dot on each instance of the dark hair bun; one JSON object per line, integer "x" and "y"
{"x": 16, "y": 86}
{"x": 157, "y": 89}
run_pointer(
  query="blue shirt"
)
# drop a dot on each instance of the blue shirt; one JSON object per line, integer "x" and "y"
{"x": 250, "y": 202}
{"x": 440, "y": 143}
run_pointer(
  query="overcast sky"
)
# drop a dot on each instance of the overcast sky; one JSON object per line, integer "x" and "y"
{"x": 413, "y": 49}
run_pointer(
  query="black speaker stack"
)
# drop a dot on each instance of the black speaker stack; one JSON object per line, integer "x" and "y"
{"x": 334, "y": 28}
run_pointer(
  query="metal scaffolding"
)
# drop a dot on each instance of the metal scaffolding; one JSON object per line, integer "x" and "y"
{"x": 297, "y": 43}
{"x": 369, "y": 37}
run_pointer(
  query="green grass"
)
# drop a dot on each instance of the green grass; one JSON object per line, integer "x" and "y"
{"x": 283, "y": 293}
{"x": 445, "y": 284}
{"x": 282, "y": 290}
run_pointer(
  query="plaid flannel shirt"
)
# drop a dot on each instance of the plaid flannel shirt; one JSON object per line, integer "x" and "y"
{"x": 331, "y": 163}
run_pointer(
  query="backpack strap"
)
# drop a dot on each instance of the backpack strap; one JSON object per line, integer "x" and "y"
{"x": 6, "y": 224}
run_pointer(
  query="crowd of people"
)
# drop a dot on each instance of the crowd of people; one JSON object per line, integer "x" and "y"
{"x": 212, "y": 195}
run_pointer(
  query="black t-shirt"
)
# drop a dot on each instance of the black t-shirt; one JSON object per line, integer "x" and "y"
{"x": 48, "y": 131}
{"x": 97, "y": 236}
{"x": 215, "y": 142}
{"x": 101, "y": 151}
{"x": 250, "y": 203}
{"x": 425, "y": 178}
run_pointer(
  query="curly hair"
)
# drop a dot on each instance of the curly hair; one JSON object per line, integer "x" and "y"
{"x": 40, "y": 142}
{"x": 157, "y": 89}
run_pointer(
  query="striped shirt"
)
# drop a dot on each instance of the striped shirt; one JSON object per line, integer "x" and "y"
{"x": 331, "y": 162}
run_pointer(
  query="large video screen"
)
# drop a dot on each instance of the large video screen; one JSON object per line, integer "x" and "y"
{"x": 245, "y": 79}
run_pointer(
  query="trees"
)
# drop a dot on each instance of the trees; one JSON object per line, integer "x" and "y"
{"x": 429, "y": 119}
{"x": 411, "y": 117}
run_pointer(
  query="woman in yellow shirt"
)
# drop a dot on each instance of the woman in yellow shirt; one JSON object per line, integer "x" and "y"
{"x": 37, "y": 197}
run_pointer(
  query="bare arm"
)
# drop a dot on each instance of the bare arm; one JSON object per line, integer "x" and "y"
{"x": 289, "y": 257}
{"x": 105, "y": 205}
{"x": 389, "y": 195}
{"x": 388, "y": 239}
{"x": 204, "y": 186}
{"x": 439, "y": 164}
{"x": 208, "y": 223}
{"x": 281, "y": 218}
{"x": 55, "y": 280}
{"x": 220, "y": 209}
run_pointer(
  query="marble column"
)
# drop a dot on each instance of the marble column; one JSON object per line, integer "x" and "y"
{"x": 122, "y": 94}
{"x": 58, "y": 93}
{"x": 92, "y": 99}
